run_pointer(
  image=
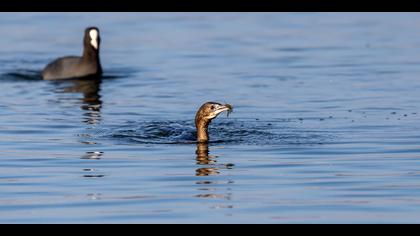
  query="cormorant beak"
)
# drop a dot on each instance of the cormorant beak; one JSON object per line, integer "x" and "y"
{"x": 221, "y": 108}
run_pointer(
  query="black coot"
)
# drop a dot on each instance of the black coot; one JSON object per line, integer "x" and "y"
{"x": 72, "y": 67}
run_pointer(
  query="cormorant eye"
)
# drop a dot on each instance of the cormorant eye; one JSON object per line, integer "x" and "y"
{"x": 212, "y": 107}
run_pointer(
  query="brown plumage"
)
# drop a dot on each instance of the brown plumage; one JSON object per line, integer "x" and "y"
{"x": 207, "y": 112}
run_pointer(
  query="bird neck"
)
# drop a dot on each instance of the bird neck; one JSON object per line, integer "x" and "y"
{"x": 202, "y": 131}
{"x": 90, "y": 54}
{"x": 92, "y": 57}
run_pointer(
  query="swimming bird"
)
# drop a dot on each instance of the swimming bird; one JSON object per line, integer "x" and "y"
{"x": 207, "y": 112}
{"x": 88, "y": 65}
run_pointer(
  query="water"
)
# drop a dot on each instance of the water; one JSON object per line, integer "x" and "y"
{"x": 324, "y": 129}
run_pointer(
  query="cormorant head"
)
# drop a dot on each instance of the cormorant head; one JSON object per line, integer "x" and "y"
{"x": 210, "y": 110}
{"x": 207, "y": 112}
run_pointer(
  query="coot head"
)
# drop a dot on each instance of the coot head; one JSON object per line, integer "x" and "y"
{"x": 92, "y": 38}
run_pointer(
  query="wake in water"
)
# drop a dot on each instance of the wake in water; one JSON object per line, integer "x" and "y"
{"x": 234, "y": 131}
{"x": 36, "y": 75}
{"x": 22, "y": 75}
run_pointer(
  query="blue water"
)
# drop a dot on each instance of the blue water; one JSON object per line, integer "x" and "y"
{"x": 324, "y": 130}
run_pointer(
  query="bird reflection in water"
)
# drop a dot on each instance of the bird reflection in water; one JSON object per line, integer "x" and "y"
{"x": 93, "y": 155}
{"x": 209, "y": 189}
{"x": 205, "y": 159}
{"x": 92, "y": 172}
{"x": 91, "y": 101}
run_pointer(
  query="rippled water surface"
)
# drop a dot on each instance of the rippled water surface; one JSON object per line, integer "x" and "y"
{"x": 325, "y": 126}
